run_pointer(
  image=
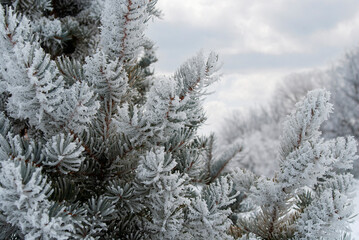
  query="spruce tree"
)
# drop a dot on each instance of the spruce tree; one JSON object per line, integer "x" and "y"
{"x": 309, "y": 197}
{"x": 95, "y": 147}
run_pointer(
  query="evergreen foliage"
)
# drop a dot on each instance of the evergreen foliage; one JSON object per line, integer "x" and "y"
{"x": 63, "y": 26}
{"x": 95, "y": 147}
{"x": 308, "y": 198}
{"x": 92, "y": 146}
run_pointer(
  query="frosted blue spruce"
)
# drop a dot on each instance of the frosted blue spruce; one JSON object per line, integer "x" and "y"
{"x": 310, "y": 196}
{"x": 93, "y": 146}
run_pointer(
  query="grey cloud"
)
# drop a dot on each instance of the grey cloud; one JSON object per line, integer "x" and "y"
{"x": 258, "y": 61}
{"x": 177, "y": 42}
{"x": 307, "y": 16}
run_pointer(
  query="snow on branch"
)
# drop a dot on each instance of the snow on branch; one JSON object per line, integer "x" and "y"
{"x": 63, "y": 153}
{"x": 304, "y": 123}
{"x": 24, "y": 203}
{"x": 108, "y": 77}
{"x": 13, "y": 29}
{"x": 123, "y": 24}
{"x": 172, "y": 103}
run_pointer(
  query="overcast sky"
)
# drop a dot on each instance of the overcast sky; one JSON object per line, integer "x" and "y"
{"x": 259, "y": 42}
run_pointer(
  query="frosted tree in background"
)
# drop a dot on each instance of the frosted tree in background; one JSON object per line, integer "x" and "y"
{"x": 293, "y": 88}
{"x": 344, "y": 84}
{"x": 259, "y": 129}
{"x": 262, "y": 125}
{"x": 93, "y": 146}
{"x": 258, "y": 132}
{"x": 345, "y": 88}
